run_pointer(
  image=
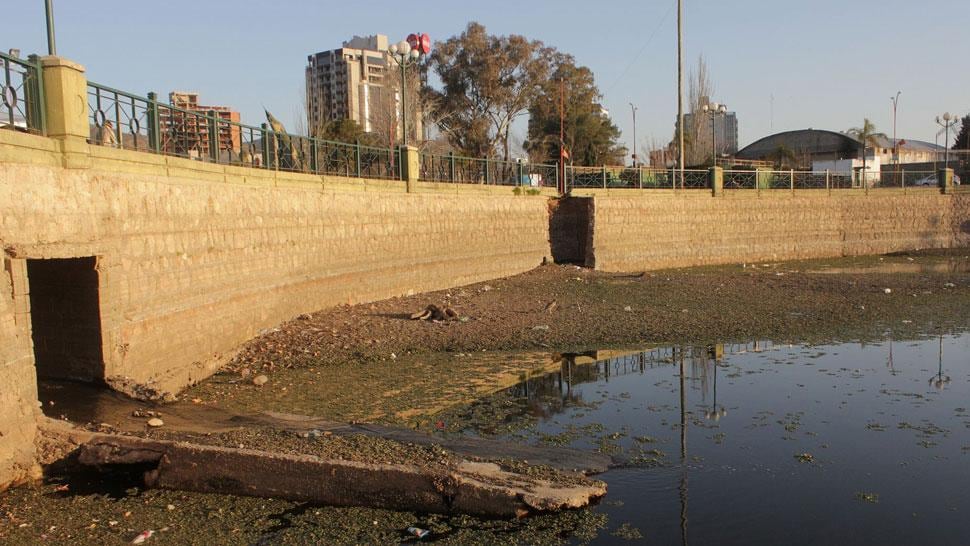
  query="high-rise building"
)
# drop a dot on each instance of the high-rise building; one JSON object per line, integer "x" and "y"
{"x": 358, "y": 81}
{"x": 725, "y": 130}
{"x": 185, "y": 134}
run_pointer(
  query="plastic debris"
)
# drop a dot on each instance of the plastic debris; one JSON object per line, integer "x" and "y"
{"x": 155, "y": 422}
{"x": 418, "y": 532}
{"x": 260, "y": 380}
{"x": 142, "y": 537}
{"x": 888, "y": 290}
{"x": 433, "y": 312}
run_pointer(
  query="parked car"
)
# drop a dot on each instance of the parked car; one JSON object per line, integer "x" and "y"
{"x": 930, "y": 180}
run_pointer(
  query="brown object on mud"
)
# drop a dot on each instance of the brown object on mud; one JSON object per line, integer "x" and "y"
{"x": 481, "y": 489}
{"x": 433, "y": 312}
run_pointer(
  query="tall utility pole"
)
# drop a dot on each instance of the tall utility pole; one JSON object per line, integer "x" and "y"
{"x": 634, "y": 110}
{"x": 562, "y": 135}
{"x": 51, "y": 46}
{"x": 680, "y": 89}
{"x": 895, "y": 149}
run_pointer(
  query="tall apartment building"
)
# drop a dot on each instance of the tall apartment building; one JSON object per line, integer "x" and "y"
{"x": 725, "y": 129}
{"x": 358, "y": 81}
{"x": 188, "y": 135}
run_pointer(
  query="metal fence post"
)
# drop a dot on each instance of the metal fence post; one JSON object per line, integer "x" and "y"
{"x": 604, "y": 177}
{"x": 791, "y": 179}
{"x": 313, "y": 155}
{"x": 640, "y": 177}
{"x": 451, "y": 166}
{"x": 485, "y": 178}
{"x": 154, "y": 124}
{"x": 36, "y": 101}
{"x": 266, "y": 144}
{"x": 828, "y": 185}
{"x": 902, "y": 178}
{"x": 213, "y": 130}
{"x": 357, "y": 160}
{"x": 518, "y": 173}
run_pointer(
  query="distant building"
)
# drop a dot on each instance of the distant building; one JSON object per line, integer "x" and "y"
{"x": 805, "y": 147}
{"x": 360, "y": 82}
{"x": 725, "y": 131}
{"x": 188, "y": 135}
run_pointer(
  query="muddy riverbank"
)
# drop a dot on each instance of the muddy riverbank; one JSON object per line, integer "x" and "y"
{"x": 411, "y": 370}
{"x": 370, "y": 363}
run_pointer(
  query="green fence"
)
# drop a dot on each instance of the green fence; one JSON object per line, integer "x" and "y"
{"x": 22, "y": 97}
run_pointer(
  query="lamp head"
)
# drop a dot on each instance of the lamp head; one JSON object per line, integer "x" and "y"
{"x": 403, "y": 47}
{"x": 723, "y": 109}
{"x": 415, "y": 54}
{"x": 705, "y": 108}
{"x": 946, "y": 116}
{"x": 393, "y": 49}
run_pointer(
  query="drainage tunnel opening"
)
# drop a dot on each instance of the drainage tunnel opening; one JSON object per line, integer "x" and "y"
{"x": 65, "y": 318}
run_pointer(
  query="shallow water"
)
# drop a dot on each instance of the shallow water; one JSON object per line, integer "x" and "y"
{"x": 846, "y": 444}
{"x": 811, "y": 445}
{"x": 755, "y": 443}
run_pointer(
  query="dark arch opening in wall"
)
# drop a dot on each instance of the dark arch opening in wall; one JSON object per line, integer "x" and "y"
{"x": 65, "y": 318}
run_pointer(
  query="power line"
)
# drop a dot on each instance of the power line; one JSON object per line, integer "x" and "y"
{"x": 642, "y": 49}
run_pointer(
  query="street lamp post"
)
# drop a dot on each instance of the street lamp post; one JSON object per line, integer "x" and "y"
{"x": 49, "y": 12}
{"x": 947, "y": 122}
{"x": 634, "y": 110}
{"x": 406, "y": 53}
{"x": 714, "y": 110}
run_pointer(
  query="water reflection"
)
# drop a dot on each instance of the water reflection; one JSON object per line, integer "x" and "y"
{"x": 755, "y": 440}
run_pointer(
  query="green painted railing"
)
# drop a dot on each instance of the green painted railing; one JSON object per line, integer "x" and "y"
{"x": 22, "y": 96}
{"x": 470, "y": 170}
{"x": 123, "y": 120}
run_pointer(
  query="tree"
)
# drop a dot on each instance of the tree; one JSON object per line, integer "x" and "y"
{"x": 487, "y": 83}
{"x": 700, "y": 89}
{"x": 866, "y": 135}
{"x": 590, "y": 136}
{"x": 962, "y": 141}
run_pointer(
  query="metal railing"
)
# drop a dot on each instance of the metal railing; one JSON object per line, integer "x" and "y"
{"x": 22, "y": 95}
{"x": 469, "y": 170}
{"x": 607, "y": 177}
{"x": 122, "y": 120}
{"x": 825, "y": 180}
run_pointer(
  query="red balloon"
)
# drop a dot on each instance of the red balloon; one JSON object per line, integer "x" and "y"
{"x": 413, "y": 40}
{"x": 425, "y": 45}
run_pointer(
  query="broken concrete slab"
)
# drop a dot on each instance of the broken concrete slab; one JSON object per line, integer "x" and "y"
{"x": 481, "y": 489}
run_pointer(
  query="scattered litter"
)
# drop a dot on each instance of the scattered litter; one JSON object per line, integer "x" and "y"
{"x": 433, "y": 312}
{"x": 260, "y": 380}
{"x": 486, "y": 288}
{"x": 418, "y": 532}
{"x": 541, "y": 327}
{"x": 155, "y": 422}
{"x": 887, "y": 290}
{"x": 551, "y": 306}
{"x": 170, "y": 507}
{"x": 907, "y": 322}
{"x": 628, "y": 309}
{"x": 61, "y": 488}
{"x": 949, "y": 285}
{"x": 142, "y": 537}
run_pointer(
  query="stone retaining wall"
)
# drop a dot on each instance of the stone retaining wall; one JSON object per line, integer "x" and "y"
{"x": 194, "y": 259}
{"x": 637, "y": 231}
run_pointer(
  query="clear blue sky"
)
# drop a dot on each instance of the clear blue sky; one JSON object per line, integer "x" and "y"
{"x": 827, "y": 63}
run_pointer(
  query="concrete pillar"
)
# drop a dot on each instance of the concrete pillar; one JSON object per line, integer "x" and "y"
{"x": 66, "y": 109}
{"x": 716, "y": 176}
{"x": 945, "y": 179}
{"x": 410, "y": 166}
{"x": 762, "y": 179}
